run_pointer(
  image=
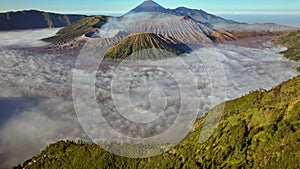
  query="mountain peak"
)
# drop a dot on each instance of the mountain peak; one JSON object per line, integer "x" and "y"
{"x": 150, "y": 3}
{"x": 148, "y": 6}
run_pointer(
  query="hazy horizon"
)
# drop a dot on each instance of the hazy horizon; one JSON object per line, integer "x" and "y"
{"x": 119, "y": 6}
{"x": 284, "y": 12}
{"x": 31, "y": 123}
{"x": 283, "y": 19}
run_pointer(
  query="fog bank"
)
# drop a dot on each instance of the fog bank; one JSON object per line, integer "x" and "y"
{"x": 36, "y": 98}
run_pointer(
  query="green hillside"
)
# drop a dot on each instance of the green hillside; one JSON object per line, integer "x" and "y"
{"x": 143, "y": 46}
{"x": 292, "y": 41}
{"x": 79, "y": 28}
{"x": 259, "y": 130}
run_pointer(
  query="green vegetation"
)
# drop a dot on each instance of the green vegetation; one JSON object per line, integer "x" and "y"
{"x": 84, "y": 155}
{"x": 259, "y": 130}
{"x": 79, "y": 28}
{"x": 143, "y": 46}
{"x": 292, "y": 41}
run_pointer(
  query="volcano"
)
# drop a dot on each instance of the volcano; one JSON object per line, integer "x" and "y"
{"x": 181, "y": 28}
{"x": 149, "y": 6}
{"x": 151, "y": 26}
{"x": 190, "y": 26}
{"x": 143, "y": 46}
{"x": 149, "y": 17}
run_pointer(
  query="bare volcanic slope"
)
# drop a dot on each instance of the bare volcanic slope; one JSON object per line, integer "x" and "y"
{"x": 190, "y": 26}
{"x": 144, "y": 46}
{"x": 182, "y": 28}
{"x": 151, "y": 17}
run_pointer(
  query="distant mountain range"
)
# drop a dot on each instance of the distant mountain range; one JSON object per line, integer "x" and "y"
{"x": 185, "y": 26}
{"x": 206, "y": 18}
{"x": 33, "y": 19}
{"x": 198, "y": 15}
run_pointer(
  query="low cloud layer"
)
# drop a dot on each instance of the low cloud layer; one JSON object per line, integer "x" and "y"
{"x": 36, "y": 94}
{"x": 27, "y": 38}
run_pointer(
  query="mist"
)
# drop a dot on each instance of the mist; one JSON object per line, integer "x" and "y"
{"x": 36, "y": 92}
{"x": 25, "y": 38}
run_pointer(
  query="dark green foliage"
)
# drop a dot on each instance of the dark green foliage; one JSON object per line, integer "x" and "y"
{"x": 79, "y": 28}
{"x": 259, "y": 130}
{"x": 85, "y": 155}
{"x": 292, "y": 41}
{"x": 143, "y": 46}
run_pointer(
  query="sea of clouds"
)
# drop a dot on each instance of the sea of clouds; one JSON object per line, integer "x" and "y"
{"x": 136, "y": 99}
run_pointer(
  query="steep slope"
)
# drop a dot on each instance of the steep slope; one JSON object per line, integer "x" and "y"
{"x": 150, "y": 17}
{"x": 259, "y": 130}
{"x": 79, "y": 28}
{"x": 143, "y": 46}
{"x": 33, "y": 19}
{"x": 184, "y": 29}
{"x": 292, "y": 41}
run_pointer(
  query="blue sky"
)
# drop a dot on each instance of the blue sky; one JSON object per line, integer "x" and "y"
{"x": 121, "y": 6}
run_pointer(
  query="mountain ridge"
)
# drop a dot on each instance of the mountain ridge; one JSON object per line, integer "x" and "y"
{"x": 34, "y": 19}
{"x": 78, "y": 29}
{"x": 200, "y": 26}
{"x": 15, "y": 20}
{"x": 292, "y": 42}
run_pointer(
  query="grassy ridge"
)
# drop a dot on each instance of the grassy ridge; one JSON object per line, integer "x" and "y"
{"x": 79, "y": 28}
{"x": 143, "y": 46}
{"x": 259, "y": 130}
{"x": 292, "y": 41}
